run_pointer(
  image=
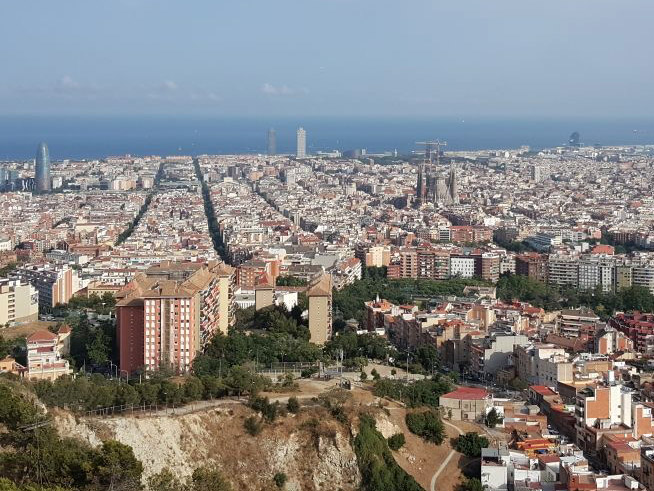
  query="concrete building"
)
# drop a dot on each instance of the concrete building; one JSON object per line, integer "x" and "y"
{"x": 466, "y": 403}
{"x": 301, "y": 152}
{"x": 19, "y": 302}
{"x": 320, "y": 310}
{"x": 55, "y": 284}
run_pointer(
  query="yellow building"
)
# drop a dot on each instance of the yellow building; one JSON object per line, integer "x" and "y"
{"x": 320, "y": 310}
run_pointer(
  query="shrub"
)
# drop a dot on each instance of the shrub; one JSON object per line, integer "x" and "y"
{"x": 363, "y": 376}
{"x": 397, "y": 441}
{"x": 379, "y": 471}
{"x": 280, "y": 479}
{"x": 293, "y": 405}
{"x": 252, "y": 425}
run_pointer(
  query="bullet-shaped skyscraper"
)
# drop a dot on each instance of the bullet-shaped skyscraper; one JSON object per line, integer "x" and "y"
{"x": 272, "y": 142}
{"x": 301, "y": 144}
{"x": 42, "y": 179}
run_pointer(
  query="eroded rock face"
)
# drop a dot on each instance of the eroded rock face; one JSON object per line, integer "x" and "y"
{"x": 216, "y": 437}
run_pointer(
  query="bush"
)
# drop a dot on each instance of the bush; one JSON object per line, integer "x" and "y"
{"x": 426, "y": 424}
{"x": 363, "y": 376}
{"x": 252, "y": 425}
{"x": 280, "y": 479}
{"x": 293, "y": 405}
{"x": 397, "y": 441}
{"x": 379, "y": 471}
{"x": 471, "y": 444}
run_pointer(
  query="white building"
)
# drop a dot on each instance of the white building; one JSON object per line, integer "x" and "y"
{"x": 301, "y": 143}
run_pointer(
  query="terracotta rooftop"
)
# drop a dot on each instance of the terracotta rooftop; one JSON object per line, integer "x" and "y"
{"x": 41, "y": 336}
{"x": 467, "y": 393}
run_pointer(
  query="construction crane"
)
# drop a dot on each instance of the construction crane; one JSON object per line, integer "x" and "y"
{"x": 429, "y": 150}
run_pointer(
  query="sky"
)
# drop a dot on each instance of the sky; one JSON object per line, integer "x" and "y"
{"x": 262, "y": 58}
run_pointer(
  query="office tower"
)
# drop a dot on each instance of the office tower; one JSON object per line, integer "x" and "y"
{"x": 42, "y": 176}
{"x": 301, "y": 143}
{"x": 272, "y": 142}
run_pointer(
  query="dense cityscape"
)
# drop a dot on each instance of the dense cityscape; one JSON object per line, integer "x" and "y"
{"x": 518, "y": 283}
{"x": 326, "y": 245}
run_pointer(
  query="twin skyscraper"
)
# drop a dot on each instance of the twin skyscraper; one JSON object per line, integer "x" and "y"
{"x": 301, "y": 148}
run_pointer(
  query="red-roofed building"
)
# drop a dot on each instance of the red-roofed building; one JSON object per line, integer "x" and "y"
{"x": 603, "y": 249}
{"x": 466, "y": 403}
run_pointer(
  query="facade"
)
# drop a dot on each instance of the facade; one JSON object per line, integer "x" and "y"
{"x": 168, "y": 313}
{"x": 639, "y": 328}
{"x": 466, "y": 403}
{"x": 45, "y": 354}
{"x": 301, "y": 152}
{"x": 19, "y": 302}
{"x": 42, "y": 178}
{"x": 55, "y": 284}
{"x": 320, "y": 310}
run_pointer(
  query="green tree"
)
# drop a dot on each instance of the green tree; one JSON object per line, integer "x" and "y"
{"x": 472, "y": 484}
{"x": 117, "y": 467}
{"x": 165, "y": 481}
{"x": 397, "y": 441}
{"x": 471, "y": 444}
{"x": 493, "y": 418}
{"x": 426, "y": 424}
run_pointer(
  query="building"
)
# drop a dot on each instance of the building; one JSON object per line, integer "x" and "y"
{"x": 168, "y": 313}
{"x": 639, "y": 328}
{"x": 320, "y": 310}
{"x": 42, "y": 178}
{"x": 272, "y": 142}
{"x": 466, "y": 403}
{"x": 19, "y": 302}
{"x": 55, "y": 284}
{"x": 301, "y": 152}
{"x": 45, "y": 354}
{"x": 533, "y": 265}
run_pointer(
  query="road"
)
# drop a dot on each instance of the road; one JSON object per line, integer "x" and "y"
{"x": 434, "y": 478}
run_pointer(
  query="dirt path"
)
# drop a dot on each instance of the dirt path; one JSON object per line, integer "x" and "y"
{"x": 447, "y": 460}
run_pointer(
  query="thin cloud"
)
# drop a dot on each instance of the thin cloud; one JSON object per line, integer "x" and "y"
{"x": 282, "y": 90}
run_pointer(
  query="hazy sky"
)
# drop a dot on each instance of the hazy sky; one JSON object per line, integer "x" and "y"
{"x": 436, "y": 58}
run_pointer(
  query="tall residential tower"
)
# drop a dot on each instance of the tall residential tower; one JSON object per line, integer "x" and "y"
{"x": 301, "y": 144}
{"x": 272, "y": 142}
{"x": 42, "y": 179}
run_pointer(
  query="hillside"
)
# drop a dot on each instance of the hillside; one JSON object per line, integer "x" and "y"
{"x": 311, "y": 448}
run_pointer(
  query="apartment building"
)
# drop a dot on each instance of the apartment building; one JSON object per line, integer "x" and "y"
{"x": 533, "y": 265}
{"x": 46, "y": 353}
{"x": 639, "y": 328}
{"x": 168, "y": 313}
{"x": 55, "y": 284}
{"x": 19, "y": 302}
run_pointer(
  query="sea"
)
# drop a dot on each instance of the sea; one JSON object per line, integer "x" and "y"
{"x": 88, "y": 137}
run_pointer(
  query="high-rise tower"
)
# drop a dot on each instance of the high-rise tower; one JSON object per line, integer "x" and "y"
{"x": 42, "y": 180}
{"x": 272, "y": 142}
{"x": 301, "y": 144}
